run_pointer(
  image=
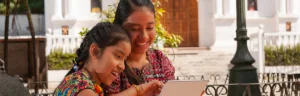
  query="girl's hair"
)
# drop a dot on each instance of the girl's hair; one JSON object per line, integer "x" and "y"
{"x": 124, "y": 10}
{"x": 103, "y": 34}
{"x": 126, "y": 7}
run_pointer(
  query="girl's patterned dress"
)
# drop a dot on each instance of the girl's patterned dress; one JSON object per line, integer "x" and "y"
{"x": 76, "y": 82}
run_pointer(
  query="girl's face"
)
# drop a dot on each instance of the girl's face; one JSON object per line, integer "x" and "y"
{"x": 141, "y": 27}
{"x": 111, "y": 62}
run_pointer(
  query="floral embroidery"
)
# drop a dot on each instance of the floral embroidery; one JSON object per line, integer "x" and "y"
{"x": 75, "y": 82}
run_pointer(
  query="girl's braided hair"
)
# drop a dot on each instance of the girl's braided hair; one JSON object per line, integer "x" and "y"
{"x": 103, "y": 34}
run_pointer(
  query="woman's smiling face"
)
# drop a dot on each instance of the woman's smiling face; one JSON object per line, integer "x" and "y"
{"x": 141, "y": 27}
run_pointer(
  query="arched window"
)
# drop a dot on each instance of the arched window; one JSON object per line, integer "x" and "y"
{"x": 96, "y": 6}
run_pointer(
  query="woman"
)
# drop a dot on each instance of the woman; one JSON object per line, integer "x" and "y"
{"x": 142, "y": 65}
{"x": 100, "y": 59}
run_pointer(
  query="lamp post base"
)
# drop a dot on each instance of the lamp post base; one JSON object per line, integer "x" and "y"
{"x": 242, "y": 75}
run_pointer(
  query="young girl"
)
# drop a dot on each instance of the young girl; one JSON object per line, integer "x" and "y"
{"x": 100, "y": 59}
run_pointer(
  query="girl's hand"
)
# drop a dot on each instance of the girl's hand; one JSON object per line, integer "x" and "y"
{"x": 151, "y": 88}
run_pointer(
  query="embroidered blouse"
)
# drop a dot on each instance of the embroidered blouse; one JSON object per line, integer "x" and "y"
{"x": 159, "y": 68}
{"x": 76, "y": 82}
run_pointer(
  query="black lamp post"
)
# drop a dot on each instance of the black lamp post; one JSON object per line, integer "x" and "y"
{"x": 243, "y": 71}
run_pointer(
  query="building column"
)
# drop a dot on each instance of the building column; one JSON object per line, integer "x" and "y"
{"x": 84, "y": 12}
{"x": 71, "y": 9}
{"x": 246, "y": 6}
{"x": 281, "y": 7}
{"x": 218, "y": 7}
{"x": 206, "y": 32}
{"x": 292, "y": 7}
{"x": 57, "y": 9}
{"x": 229, "y": 7}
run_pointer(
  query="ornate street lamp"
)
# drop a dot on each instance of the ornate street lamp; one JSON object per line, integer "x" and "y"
{"x": 243, "y": 71}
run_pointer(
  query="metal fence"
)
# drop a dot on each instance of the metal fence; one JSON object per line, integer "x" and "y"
{"x": 271, "y": 84}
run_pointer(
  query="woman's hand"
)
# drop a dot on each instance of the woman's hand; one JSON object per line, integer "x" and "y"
{"x": 151, "y": 88}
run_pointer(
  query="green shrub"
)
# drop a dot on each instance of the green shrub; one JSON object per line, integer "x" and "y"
{"x": 83, "y": 31}
{"x": 57, "y": 60}
{"x": 36, "y": 6}
{"x": 282, "y": 55}
{"x": 12, "y": 5}
{"x": 108, "y": 15}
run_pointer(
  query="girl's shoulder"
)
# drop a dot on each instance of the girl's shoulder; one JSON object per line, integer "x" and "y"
{"x": 74, "y": 83}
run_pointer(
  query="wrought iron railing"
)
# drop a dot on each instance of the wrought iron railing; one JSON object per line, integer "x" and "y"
{"x": 271, "y": 84}
{"x": 267, "y": 89}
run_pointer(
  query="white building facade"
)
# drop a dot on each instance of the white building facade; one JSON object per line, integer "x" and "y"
{"x": 217, "y": 20}
{"x": 64, "y": 19}
{"x": 216, "y": 23}
{"x": 72, "y": 15}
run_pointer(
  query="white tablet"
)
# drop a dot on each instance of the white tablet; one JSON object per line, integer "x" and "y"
{"x": 183, "y": 88}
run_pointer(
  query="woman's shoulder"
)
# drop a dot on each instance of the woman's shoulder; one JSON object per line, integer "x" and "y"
{"x": 74, "y": 83}
{"x": 157, "y": 57}
{"x": 154, "y": 53}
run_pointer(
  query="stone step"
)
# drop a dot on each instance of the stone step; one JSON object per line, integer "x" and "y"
{"x": 199, "y": 62}
{"x": 200, "y": 57}
{"x": 204, "y": 54}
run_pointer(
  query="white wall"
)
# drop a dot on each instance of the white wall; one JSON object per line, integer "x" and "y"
{"x": 49, "y": 11}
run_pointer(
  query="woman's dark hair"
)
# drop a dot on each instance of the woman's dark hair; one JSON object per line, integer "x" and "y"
{"x": 124, "y": 10}
{"x": 126, "y": 7}
{"x": 103, "y": 34}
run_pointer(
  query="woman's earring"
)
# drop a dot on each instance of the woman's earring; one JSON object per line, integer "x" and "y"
{"x": 75, "y": 67}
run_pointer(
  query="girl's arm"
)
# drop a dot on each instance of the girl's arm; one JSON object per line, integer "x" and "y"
{"x": 87, "y": 92}
{"x": 147, "y": 89}
{"x": 128, "y": 92}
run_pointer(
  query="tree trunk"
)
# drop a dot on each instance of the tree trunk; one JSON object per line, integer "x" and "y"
{"x": 35, "y": 52}
{"x": 6, "y": 34}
